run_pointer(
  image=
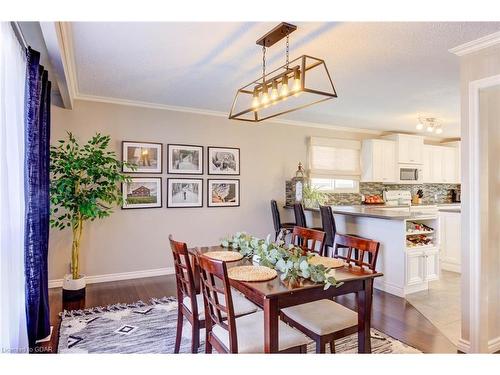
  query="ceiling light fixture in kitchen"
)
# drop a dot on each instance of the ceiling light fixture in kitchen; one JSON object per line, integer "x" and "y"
{"x": 286, "y": 88}
{"x": 430, "y": 124}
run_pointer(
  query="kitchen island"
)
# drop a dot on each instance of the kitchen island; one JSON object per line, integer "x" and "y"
{"x": 407, "y": 268}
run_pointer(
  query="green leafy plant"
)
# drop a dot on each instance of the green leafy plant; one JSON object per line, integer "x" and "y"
{"x": 84, "y": 186}
{"x": 313, "y": 197}
{"x": 291, "y": 261}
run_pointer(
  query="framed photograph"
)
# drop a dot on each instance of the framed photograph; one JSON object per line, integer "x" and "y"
{"x": 146, "y": 156}
{"x": 185, "y": 159}
{"x": 224, "y": 160}
{"x": 184, "y": 192}
{"x": 142, "y": 193}
{"x": 223, "y": 193}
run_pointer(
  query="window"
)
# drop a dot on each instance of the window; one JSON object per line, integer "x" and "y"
{"x": 332, "y": 185}
{"x": 334, "y": 164}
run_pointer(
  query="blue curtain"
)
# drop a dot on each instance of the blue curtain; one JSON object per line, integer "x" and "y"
{"x": 36, "y": 182}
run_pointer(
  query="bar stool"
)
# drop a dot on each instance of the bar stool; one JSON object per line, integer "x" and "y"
{"x": 278, "y": 225}
{"x": 300, "y": 216}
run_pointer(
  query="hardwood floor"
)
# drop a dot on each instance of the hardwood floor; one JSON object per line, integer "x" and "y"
{"x": 391, "y": 315}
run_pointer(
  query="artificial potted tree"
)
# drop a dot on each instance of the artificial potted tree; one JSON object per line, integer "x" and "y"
{"x": 85, "y": 185}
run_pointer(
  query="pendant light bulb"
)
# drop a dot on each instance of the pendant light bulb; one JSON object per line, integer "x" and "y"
{"x": 439, "y": 130}
{"x": 255, "y": 100}
{"x": 420, "y": 126}
{"x": 430, "y": 128}
{"x": 284, "y": 87}
{"x": 265, "y": 96}
{"x": 274, "y": 91}
{"x": 296, "y": 80}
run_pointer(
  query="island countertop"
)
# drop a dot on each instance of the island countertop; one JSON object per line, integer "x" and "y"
{"x": 380, "y": 212}
{"x": 397, "y": 213}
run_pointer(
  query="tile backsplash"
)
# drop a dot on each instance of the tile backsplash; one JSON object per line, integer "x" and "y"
{"x": 433, "y": 193}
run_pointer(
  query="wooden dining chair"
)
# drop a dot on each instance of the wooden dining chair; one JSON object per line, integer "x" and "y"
{"x": 357, "y": 248}
{"x": 326, "y": 321}
{"x": 278, "y": 225}
{"x": 307, "y": 239}
{"x": 237, "y": 334}
{"x": 189, "y": 302}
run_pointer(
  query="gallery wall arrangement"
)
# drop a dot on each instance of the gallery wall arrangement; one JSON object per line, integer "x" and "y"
{"x": 182, "y": 159}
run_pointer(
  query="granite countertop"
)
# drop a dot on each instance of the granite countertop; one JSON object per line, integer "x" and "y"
{"x": 395, "y": 213}
{"x": 380, "y": 213}
{"x": 450, "y": 209}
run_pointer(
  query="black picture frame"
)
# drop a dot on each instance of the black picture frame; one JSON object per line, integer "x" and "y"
{"x": 218, "y": 173}
{"x": 169, "y": 204}
{"x": 125, "y": 206}
{"x": 139, "y": 171}
{"x": 230, "y": 180}
{"x": 186, "y": 172}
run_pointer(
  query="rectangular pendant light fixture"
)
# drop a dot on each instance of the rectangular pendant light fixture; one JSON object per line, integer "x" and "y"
{"x": 297, "y": 84}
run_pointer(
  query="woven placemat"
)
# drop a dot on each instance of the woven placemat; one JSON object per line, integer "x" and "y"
{"x": 326, "y": 261}
{"x": 225, "y": 256}
{"x": 251, "y": 273}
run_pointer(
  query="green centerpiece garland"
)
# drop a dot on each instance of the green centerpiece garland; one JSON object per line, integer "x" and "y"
{"x": 290, "y": 261}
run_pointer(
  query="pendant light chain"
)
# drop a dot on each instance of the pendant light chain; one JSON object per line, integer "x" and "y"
{"x": 287, "y": 50}
{"x": 264, "y": 64}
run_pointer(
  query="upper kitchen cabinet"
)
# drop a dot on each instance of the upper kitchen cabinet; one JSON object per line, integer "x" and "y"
{"x": 409, "y": 148}
{"x": 441, "y": 165}
{"x": 454, "y": 161}
{"x": 378, "y": 161}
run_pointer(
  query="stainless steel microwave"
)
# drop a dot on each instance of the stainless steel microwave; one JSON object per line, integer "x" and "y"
{"x": 409, "y": 174}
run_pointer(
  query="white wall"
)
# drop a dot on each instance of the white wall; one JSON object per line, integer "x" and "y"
{"x": 135, "y": 240}
{"x": 475, "y": 66}
{"x": 489, "y": 105}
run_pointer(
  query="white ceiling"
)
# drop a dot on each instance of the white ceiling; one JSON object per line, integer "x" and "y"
{"x": 386, "y": 74}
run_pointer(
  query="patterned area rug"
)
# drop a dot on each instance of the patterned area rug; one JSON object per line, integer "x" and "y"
{"x": 150, "y": 328}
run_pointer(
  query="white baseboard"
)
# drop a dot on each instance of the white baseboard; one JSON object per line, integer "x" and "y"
{"x": 494, "y": 345}
{"x": 389, "y": 288}
{"x": 463, "y": 345}
{"x": 452, "y": 267}
{"x": 57, "y": 283}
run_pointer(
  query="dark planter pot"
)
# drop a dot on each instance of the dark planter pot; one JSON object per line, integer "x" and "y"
{"x": 73, "y": 289}
{"x": 73, "y": 295}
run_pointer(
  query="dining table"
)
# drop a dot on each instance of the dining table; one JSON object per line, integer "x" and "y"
{"x": 275, "y": 294}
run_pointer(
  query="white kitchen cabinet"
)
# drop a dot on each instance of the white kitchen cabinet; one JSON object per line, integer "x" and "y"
{"x": 449, "y": 165}
{"x": 431, "y": 265}
{"x": 450, "y": 224}
{"x": 409, "y": 148}
{"x": 414, "y": 267}
{"x": 422, "y": 266}
{"x": 426, "y": 167}
{"x": 456, "y": 146}
{"x": 378, "y": 161}
{"x": 440, "y": 165}
{"x": 437, "y": 164}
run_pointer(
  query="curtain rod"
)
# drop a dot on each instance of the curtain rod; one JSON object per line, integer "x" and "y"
{"x": 19, "y": 34}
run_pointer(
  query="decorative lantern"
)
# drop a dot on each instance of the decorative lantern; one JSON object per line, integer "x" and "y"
{"x": 298, "y": 183}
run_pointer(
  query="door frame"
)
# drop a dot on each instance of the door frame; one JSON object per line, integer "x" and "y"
{"x": 476, "y": 246}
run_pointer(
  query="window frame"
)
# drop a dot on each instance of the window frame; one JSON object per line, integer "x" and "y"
{"x": 335, "y": 190}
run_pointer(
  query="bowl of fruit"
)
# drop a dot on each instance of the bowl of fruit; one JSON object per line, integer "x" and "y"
{"x": 373, "y": 200}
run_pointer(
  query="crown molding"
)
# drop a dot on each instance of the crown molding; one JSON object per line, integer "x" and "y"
{"x": 476, "y": 45}
{"x": 207, "y": 112}
{"x": 66, "y": 44}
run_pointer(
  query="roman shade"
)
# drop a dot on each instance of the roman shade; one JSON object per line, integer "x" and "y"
{"x": 334, "y": 158}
